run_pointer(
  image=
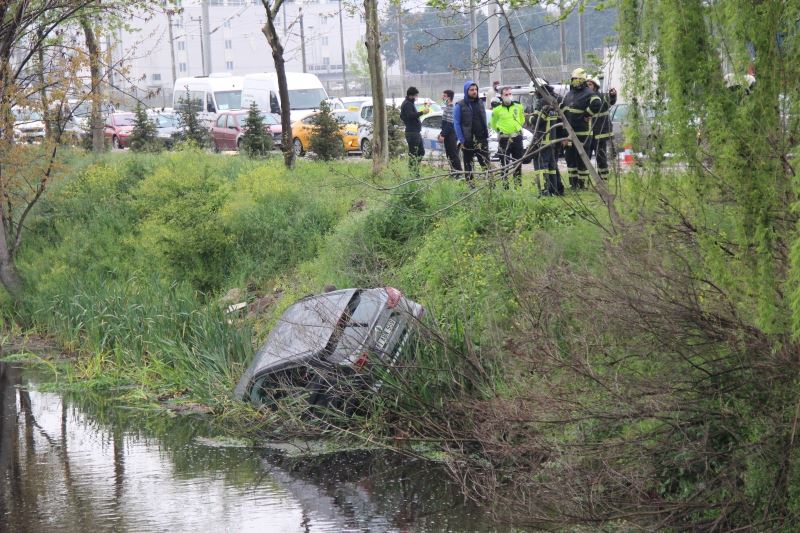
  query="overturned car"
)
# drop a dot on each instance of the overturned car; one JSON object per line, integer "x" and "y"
{"x": 326, "y": 347}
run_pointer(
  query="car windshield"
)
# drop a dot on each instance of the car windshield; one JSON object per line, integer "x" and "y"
{"x": 348, "y": 117}
{"x": 27, "y": 115}
{"x": 271, "y": 119}
{"x": 167, "y": 121}
{"x": 228, "y": 100}
{"x": 125, "y": 119}
{"x": 306, "y": 98}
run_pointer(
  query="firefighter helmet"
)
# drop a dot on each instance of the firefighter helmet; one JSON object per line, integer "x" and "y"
{"x": 578, "y": 74}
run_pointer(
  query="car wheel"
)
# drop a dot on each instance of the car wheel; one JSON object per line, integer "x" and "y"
{"x": 216, "y": 148}
{"x": 239, "y": 144}
{"x": 366, "y": 148}
{"x": 298, "y": 147}
{"x": 115, "y": 142}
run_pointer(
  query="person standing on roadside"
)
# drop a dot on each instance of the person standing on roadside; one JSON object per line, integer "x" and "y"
{"x": 472, "y": 129}
{"x": 448, "y": 134}
{"x": 410, "y": 117}
{"x": 547, "y": 135}
{"x": 493, "y": 96}
{"x": 601, "y": 127}
{"x": 507, "y": 120}
{"x": 579, "y": 106}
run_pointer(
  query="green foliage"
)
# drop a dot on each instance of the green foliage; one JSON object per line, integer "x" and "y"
{"x": 192, "y": 130}
{"x": 143, "y": 137}
{"x": 256, "y": 140}
{"x": 397, "y": 139}
{"x": 326, "y": 136}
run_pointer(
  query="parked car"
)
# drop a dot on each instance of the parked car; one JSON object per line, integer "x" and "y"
{"x": 365, "y": 123}
{"x": 166, "y": 127}
{"x": 28, "y": 125}
{"x": 432, "y": 125}
{"x": 227, "y": 130}
{"x": 338, "y": 337}
{"x": 118, "y": 128}
{"x": 303, "y": 129}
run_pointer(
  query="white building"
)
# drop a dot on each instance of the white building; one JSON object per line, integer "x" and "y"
{"x": 236, "y": 43}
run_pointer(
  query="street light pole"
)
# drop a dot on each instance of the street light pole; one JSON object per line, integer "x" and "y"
{"x": 171, "y": 12}
{"x": 199, "y": 21}
{"x": 341, "y": 43}
{"x": 302, "y": 41}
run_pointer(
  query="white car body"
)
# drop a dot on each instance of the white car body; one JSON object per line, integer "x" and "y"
{"x": 365, "y": 124}
{"x": 432, "y": 125}
{"x": 28, "y": 124}
{"x": 305, "y": 93}
{"x": 214, "y": 93}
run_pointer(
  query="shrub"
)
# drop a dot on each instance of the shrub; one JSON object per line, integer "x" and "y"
{"x": 256, "y": 141}
{"x": 326, "y": 138}
{"x": 191, "y": 129}
{"x": 143, "y": 137}
{"x": 397, "y": 138}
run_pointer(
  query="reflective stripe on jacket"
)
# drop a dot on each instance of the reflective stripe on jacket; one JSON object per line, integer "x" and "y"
{"x": 508, "y": 120}
{"x": 579, "y": 106}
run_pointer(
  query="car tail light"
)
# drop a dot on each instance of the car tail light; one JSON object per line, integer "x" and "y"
{"x": 394, "y": 297}
{"x": 362, "y": 360}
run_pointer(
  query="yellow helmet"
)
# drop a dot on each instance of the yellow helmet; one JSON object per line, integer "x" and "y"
{"x": 578, "y": 74}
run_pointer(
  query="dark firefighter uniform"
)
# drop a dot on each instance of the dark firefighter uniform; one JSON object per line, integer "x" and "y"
{"x": 579, "y": 106}
{"x": 602, "y": 131}
{"x": 547, "y": 134}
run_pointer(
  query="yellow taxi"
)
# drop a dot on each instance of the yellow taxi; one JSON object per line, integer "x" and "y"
{"x": 303, "y": 128}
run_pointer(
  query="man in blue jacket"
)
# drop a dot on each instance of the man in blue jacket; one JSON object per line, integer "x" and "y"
{"x": 472, "y": 130}
{"x": 448, "y": 134}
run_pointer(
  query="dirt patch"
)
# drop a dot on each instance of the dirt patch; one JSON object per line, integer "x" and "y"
{"x": 39, "y": 345}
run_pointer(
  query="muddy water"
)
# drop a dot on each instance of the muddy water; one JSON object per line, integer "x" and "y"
{"x": 70, "y": 464}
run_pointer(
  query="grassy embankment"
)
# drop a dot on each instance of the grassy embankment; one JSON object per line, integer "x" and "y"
{"x": 127, "y": 258}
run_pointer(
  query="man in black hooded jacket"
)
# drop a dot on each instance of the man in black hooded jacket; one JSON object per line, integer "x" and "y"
{"x": 410, "y": 117}
{"x": 472, "y": 129}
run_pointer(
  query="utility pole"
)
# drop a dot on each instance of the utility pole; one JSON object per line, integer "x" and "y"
{"x": 581, "y": 37}
{"x": 199, "y": 21}
{"x": 494, "y": 41}
{"x": 473, "y": 43}
{"x": 562, "y": 34}
{"x": 341, "y": 43}
{"x": 401, "y": 49}
{"x": 205, "y": 36}
{"x": 302, "y": 41}
{"x": 171, "y": 12}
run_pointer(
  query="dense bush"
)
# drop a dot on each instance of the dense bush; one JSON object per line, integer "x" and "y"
{"x": 144, "y": 135}
{"x": 256, "y": 140}
{"x": 326, "y": 135}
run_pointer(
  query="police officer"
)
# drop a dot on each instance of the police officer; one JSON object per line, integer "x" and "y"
{"x": 602, "y": 131}
{"x": 507, "y": 120}
{"x": 579, "y": 106}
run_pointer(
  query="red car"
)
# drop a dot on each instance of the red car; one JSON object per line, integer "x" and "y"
{"x": 227, "y": 131}
{"x": 118, "y": 128}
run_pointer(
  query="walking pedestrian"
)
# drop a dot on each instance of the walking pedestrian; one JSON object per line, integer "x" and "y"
{"x": 410, "y": 117}
{"x": 507, "y": 120}
{"x": 472, "y": 129}
{"x": 579, "y": 106}
{"x": 547, "y": 136}
{"x": 448, "y": 134}
{"x": 602, "y": 131}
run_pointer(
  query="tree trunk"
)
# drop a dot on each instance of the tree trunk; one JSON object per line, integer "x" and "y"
{"x": 9, "y": 276}
{"x": 95, "y": 118}
{"x": 46, "y": 112}
{"x": 274, "y": 41}
{"x": 380, "y": 132}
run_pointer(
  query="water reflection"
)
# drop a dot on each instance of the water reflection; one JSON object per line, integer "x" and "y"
{"x": 71, "y": 465}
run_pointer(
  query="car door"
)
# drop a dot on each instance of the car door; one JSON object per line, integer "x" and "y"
{"x": 431, "y": 127}
{"x": 218, "y": 132}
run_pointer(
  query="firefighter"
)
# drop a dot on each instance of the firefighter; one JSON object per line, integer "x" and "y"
{"x": 602, "y": 132}
{"x": 546, "y": 138}
{"x": 579, "y": 106}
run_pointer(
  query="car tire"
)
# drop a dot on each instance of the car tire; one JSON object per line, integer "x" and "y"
{"x": 115, "y": 142}
{"x": 298, "y": 147}
{"x": 366, "y": 148}
{"x": 239, "y": 144}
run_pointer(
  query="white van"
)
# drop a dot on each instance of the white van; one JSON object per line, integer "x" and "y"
{"x": 305, "y": 92}
{"x": 214, "y": 93}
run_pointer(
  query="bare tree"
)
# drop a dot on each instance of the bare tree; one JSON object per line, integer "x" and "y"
{"x": 271, "y": 33}
{"x": 380, "y": 136}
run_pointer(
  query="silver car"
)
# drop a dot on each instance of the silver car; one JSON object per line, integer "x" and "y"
{"x": 325, "y": 347}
